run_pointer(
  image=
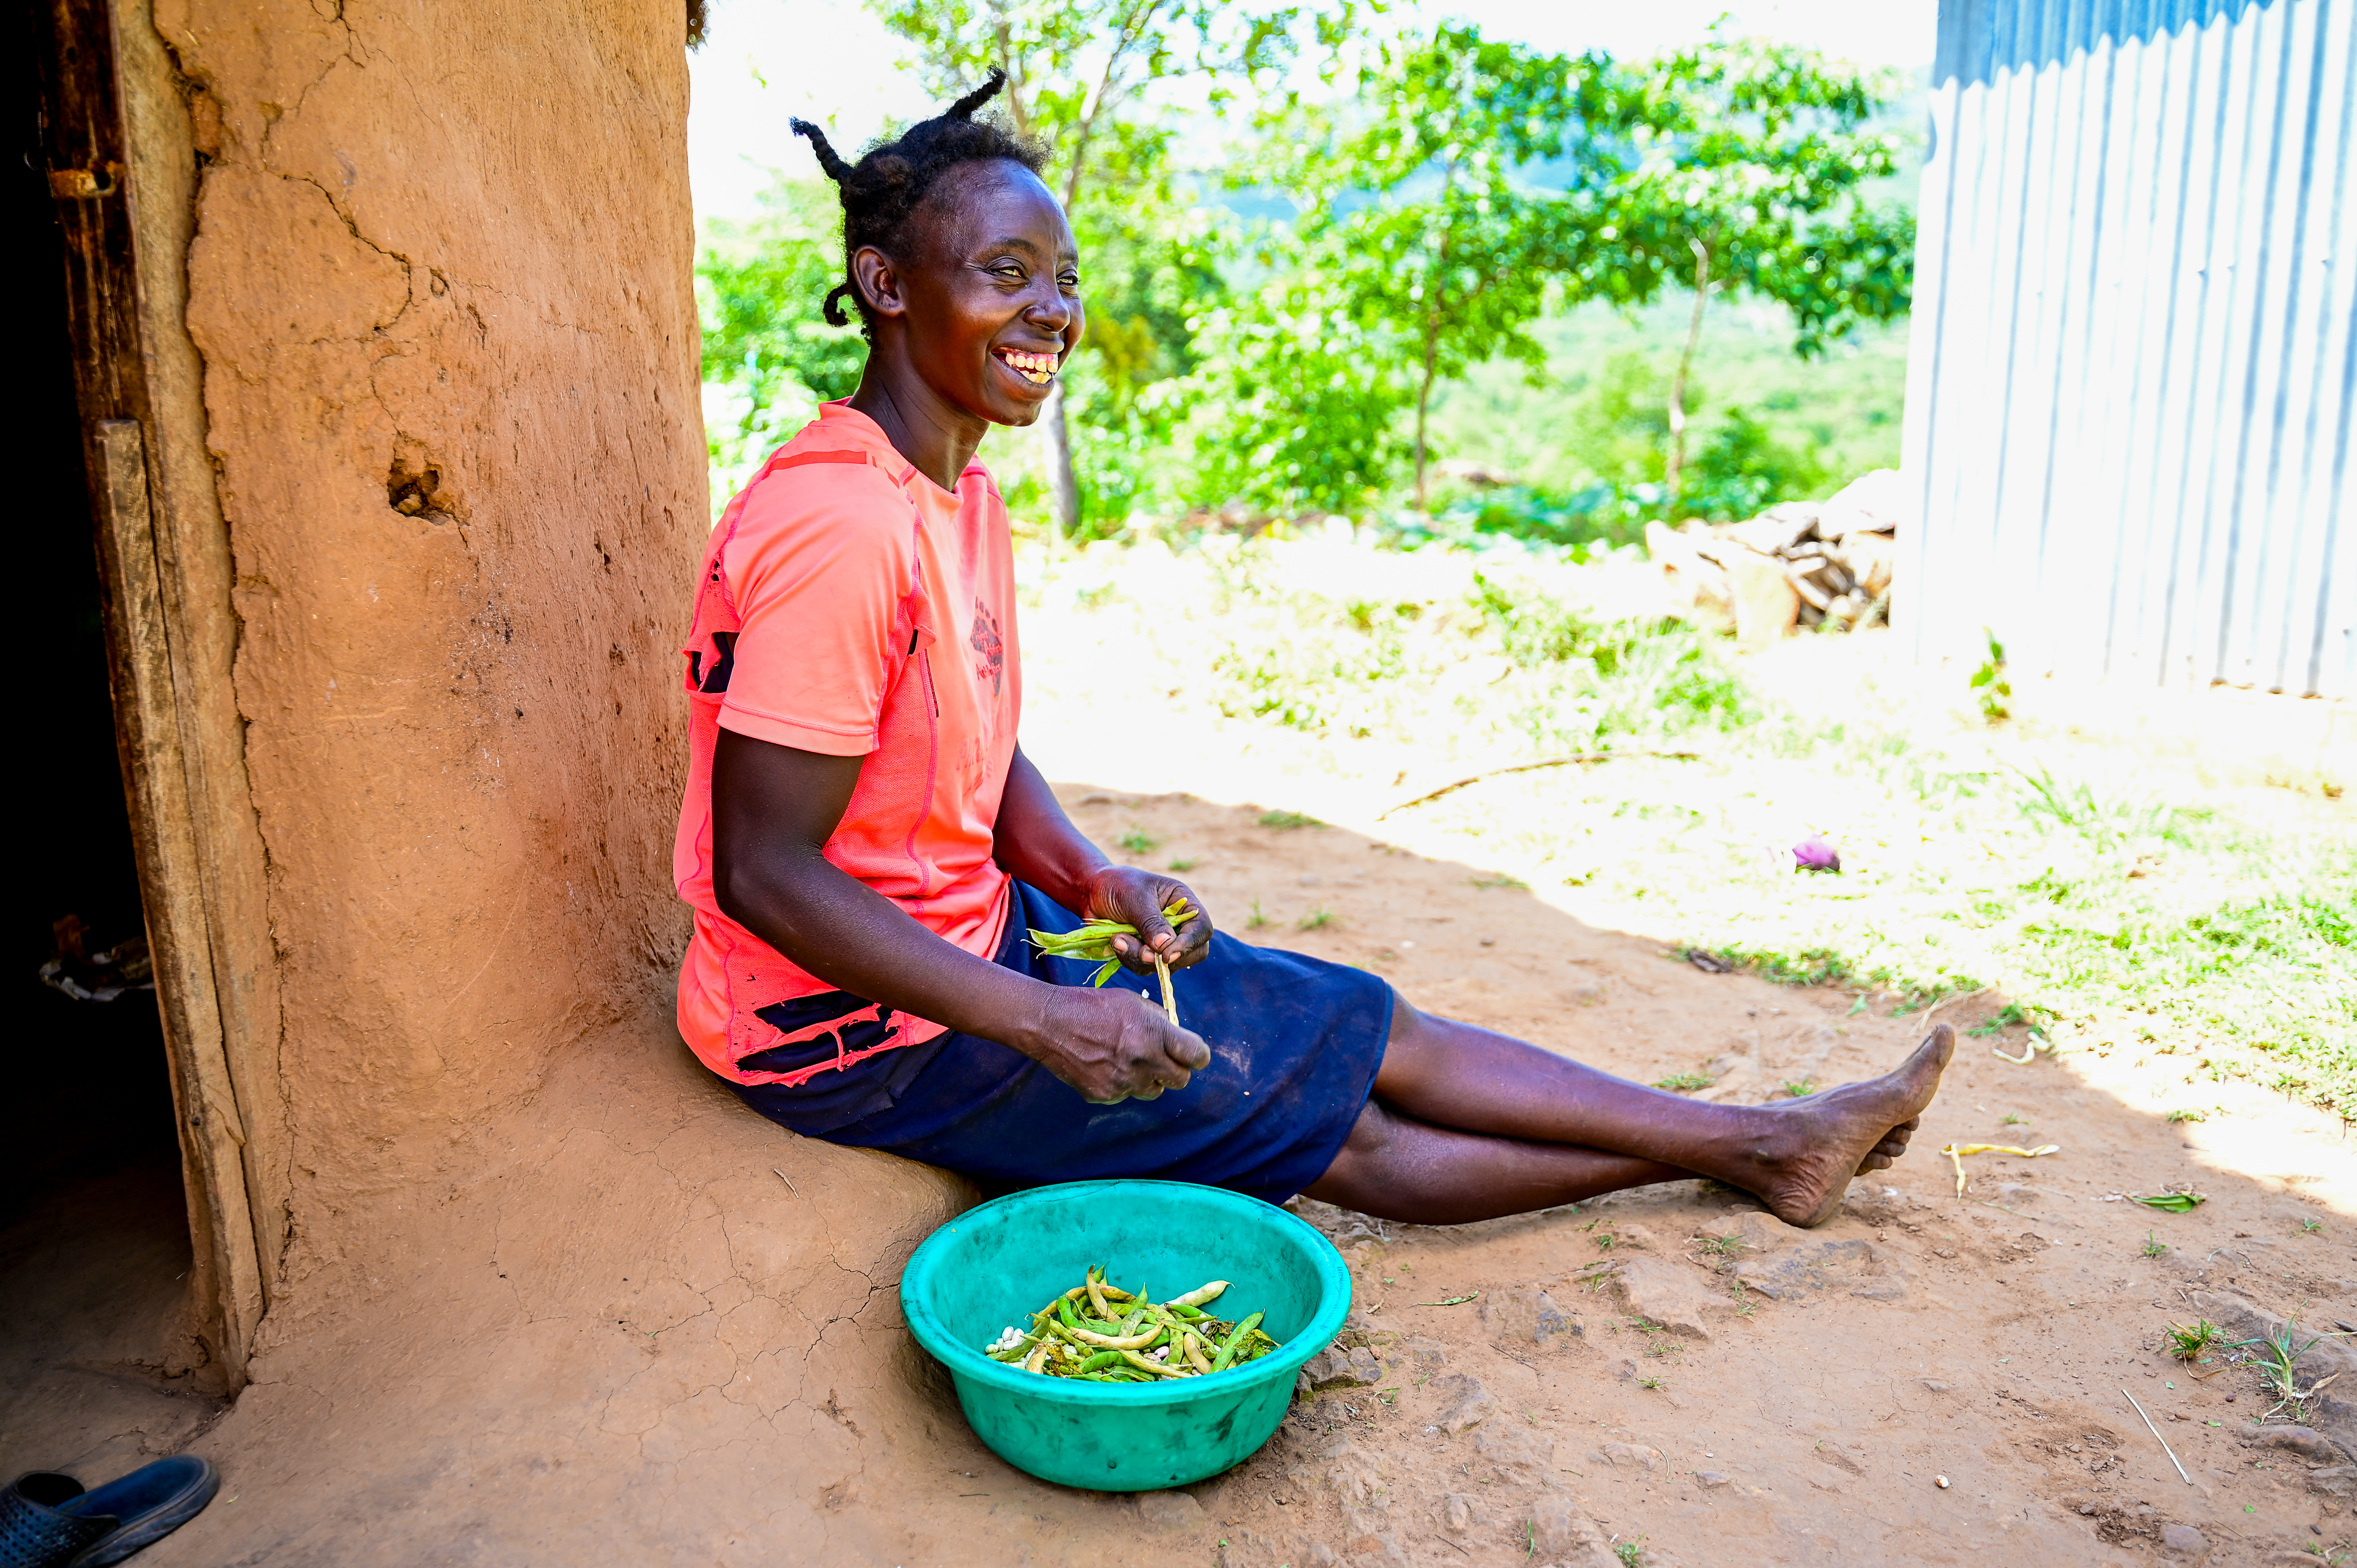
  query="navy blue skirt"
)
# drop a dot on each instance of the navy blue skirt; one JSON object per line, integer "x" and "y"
{"x": 1295, "y": 1045}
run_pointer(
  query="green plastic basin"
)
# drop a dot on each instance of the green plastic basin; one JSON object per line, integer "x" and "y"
{"x": 997, "y": 1265}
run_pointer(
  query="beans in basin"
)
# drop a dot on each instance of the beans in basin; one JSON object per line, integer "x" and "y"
{"x": 1101, "y": 1334}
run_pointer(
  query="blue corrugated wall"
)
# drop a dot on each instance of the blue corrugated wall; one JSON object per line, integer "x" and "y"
{"x": 2133, "y": 365}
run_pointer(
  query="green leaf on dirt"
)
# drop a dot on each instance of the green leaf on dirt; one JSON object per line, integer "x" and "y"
{"x": 2173, "y": 1202}
{"x": 1449, "y": 1301}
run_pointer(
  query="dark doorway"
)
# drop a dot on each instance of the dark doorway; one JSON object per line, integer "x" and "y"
{"x": 95, "y": 1248}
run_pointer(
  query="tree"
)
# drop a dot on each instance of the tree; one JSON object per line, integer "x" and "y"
{"x": 757, "y": 284}
{"x": 1463, "y": 187}
{"x": 1750, "y": 160}
{"x": 1078, "y": 78}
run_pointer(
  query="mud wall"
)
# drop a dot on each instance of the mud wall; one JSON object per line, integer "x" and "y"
{"x": 439, "y": 285}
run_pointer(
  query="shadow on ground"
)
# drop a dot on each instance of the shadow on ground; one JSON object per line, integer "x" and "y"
{"x": 611, "y": 1331}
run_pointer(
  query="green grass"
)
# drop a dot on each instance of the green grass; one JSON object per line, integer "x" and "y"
{"x": 1684, "y": 1082}
{"x": 2113, "y": 920}
{"x": 2104, "y": 916}
{"x": 1567, "y": 678}
{"x": 2277, "y": 1364}
{"x": 1282, "y": 821}
{"x": 1315, "y": 917}
{"x": 1136, "y": 840}
{"x": 2187, "y": 1341}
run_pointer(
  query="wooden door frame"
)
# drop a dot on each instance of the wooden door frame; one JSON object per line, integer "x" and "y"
{"x": 124, "y": 173}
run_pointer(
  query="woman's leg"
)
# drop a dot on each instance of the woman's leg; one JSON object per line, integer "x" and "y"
{"x": 1462, "y": 1118}
{"x": 1400, "y": 1168}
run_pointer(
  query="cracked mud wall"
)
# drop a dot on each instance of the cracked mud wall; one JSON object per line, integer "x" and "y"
{"x": 440, "y": 286}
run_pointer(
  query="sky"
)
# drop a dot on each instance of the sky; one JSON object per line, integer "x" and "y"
{"x": 832, "y": 62}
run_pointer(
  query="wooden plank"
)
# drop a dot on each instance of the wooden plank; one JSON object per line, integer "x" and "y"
{"x": 154, "y": 775}
{"x": 199, "y": 574}
{"x": 88, "y": 162}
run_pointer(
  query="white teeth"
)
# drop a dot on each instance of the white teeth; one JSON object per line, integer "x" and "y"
{"x": 1037, "y": 368}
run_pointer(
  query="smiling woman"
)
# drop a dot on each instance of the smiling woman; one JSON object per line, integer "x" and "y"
{"x": 865, "y": 843}
{"x": 949, "y": 234}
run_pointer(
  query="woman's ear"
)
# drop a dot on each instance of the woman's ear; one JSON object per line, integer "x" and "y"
{"x": 879, "y": 278}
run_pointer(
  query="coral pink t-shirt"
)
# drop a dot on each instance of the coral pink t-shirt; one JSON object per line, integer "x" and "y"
{"x": 851, "y": 606}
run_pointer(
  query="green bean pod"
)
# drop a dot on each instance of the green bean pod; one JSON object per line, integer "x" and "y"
{"x": 1156, "y": 1367}
{"x": 1227, "y": 1355}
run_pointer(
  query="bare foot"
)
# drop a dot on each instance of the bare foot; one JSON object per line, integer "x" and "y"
{"x": 1847, "y": 1132}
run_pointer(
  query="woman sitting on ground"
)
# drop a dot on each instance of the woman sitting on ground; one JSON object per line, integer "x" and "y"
{"x": 865, "y": 845}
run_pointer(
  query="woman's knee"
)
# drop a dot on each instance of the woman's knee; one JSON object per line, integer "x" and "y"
{"x": 1364, "y": 1146}
{"x": 1412, "y": 1051}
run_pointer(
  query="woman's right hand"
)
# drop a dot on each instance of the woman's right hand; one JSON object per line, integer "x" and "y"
{"x": 1113, "y": 1044}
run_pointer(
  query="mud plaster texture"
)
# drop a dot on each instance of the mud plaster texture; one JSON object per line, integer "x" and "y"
{"x": 440, "y": 286}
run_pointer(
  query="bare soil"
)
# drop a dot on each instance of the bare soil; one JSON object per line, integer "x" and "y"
{"x": 610, "y": 1332}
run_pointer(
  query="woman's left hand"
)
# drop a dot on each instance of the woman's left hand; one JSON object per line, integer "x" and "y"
{"x": 1135, "y": 896}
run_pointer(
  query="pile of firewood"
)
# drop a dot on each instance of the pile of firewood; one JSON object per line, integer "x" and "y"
{"x": 1797, "y": 564}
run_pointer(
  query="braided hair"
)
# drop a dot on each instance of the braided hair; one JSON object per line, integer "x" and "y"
{"x": 892, "y": 178}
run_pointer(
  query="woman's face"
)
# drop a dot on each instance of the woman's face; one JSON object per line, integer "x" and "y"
{"x": 987, "y": 305}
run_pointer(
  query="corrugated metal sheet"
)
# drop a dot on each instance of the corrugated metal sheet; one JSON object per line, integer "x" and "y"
{"x": 2132, "y": 362}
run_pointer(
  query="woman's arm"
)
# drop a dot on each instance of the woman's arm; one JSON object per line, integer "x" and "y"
{"x": 1036, "y": 841}
{"x": 773, "y": 809}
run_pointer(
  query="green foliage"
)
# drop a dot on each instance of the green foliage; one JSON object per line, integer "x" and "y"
{"x": 1619, "y": 432}
{"x": 1751, "y": 160}
{"x": 1591, "y": 521}
{"x": 1296, "y": 404}
{"x": 1684, "y": 1082}
{"x": 1621, "y": 429}
{"x": 1661, "y": 677}
{"x": 1989, "y": 680}
{"x": 2187, "y": 1341}
{"x": 1449, "y": 207}
{"x": 1423, "y": 247}
{"x": 1083, "y": 76}
{"x": 758, "y": 284}
{"x": 1742, "y": 469}
{"x": 1841, "y": 409}
{"x": 2277, "y": 1364}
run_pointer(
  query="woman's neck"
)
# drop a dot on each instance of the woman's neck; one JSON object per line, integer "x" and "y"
{"x": 938, "y": 438}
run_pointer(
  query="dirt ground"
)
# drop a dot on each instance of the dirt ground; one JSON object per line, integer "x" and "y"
{"x": 633, "y": 1322}
{"x": 625, "y": 1340}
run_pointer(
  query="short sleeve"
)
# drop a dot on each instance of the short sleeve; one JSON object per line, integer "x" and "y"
{"x": 819, "y": 567}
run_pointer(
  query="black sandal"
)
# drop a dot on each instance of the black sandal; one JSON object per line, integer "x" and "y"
{"x": 46, "y": 1520}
